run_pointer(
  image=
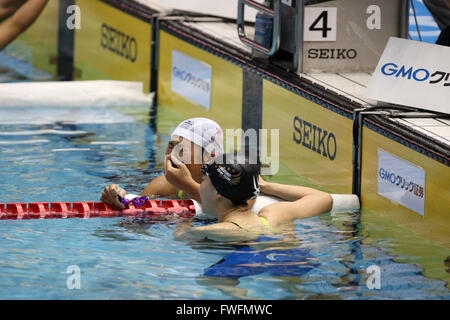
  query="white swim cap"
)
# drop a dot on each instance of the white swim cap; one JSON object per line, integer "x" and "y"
{"x": 204, "y": 132}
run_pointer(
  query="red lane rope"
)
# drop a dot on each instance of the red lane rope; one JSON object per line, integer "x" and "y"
{"x": 63, "y": 210}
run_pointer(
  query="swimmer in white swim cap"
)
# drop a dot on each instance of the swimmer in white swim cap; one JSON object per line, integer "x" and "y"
{"x": 194, "y": 142}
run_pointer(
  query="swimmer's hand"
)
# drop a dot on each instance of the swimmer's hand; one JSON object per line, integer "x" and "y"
{"x": 178, "y": 175}
{"x": 110, "y": 195}
{"x": 176, "y": 171}
{"x": 262, "y": 184}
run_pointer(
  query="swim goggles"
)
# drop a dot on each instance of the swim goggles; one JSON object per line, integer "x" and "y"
{"x": 139, "y": 201}
{"x": 204, "y": 170}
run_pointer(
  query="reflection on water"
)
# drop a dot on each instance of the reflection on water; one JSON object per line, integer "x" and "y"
{"x": 324, "y": 258}
{"x": 61, "y": 160}
{"x": 16, "y": 64}
{"x": 8, "y": 75}
{"x": 318, "y": 258}
{"x": 333, "y": 260}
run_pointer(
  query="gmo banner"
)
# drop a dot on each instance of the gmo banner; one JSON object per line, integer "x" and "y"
{"x": 191, "y": 79}
{"x": 412, "y": 73}
{"x": 401, "y": 181}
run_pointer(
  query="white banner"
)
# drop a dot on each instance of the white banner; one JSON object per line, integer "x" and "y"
{"x": 221, "y": 8}
{"x": 73, "y": 94}
{"x": 401, "y": 181}
{"x": 191, "y": 79}
{"x": 412, "y": 73}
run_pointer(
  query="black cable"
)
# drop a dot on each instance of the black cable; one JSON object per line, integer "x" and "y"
{"x": 415, "y": 18}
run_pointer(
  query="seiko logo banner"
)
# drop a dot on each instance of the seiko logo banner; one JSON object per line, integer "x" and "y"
{"x": 401, "y": 181}
{"x": 413, "y": 74}
{"x": 314, "y": 138}
{"x": 191, "y": 79}
{"x": 118, "y": 42}
{"x": 332, "y": 54}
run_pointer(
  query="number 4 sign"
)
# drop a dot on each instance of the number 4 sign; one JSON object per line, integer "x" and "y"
{"x": 320, "y": 24}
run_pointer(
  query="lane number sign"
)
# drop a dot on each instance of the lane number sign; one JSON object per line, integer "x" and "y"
{"x": 320, "y": 24}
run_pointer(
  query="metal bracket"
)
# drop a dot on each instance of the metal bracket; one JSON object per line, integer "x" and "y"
{"x": 358, "y": 117}
{"x": 274, "y": 13}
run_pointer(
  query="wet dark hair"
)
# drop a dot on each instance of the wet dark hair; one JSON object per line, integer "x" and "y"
{"x": 234, "y": 177}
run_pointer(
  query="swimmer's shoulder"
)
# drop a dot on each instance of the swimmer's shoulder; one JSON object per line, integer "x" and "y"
{"x": 276, "y": 213}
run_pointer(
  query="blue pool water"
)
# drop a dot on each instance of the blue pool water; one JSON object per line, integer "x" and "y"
{"x": 50, "y": 154}
{"x": 44, "y": 149}
{"x": 65, "y": 155}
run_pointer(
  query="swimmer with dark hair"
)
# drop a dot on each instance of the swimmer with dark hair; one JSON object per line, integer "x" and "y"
{"x": 229, "y": 182}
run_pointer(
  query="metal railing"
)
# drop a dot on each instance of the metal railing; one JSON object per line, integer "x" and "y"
{"x": 274, "y": 13}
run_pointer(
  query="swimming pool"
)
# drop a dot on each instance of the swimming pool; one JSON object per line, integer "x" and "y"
{"x": 50, "y": 154}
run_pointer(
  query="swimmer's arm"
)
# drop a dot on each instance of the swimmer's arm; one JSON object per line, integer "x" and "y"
{"x": 8, "y": 7}
{"x": 160, "y": 187}
{"x": 286, "y": 192}
{"x": 223, "y": 231}
{"x": 301, "y": 202}
{"x": 191, "y": 188}
{"x": 20, "y": 21}
{"x": 178, "y": 174}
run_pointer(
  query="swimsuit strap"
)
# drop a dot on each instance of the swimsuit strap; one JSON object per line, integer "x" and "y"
{"x": 267, "y": 225}
{"x": 264, "y": 221}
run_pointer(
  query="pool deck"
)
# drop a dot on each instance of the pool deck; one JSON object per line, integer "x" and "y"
{"x": 350, "y": 85}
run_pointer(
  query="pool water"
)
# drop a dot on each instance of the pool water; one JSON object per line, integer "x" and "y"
{"x": 63, "y": 154}
{"x": 71, "y": 155}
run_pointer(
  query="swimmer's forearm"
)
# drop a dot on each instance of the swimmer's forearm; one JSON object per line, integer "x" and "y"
{"x": 287, "y": 192}
{"x": 8, "y": 7}
{"x": 191, "y": 187}
{"x": 28, "y": 13}
{"x": 159, "y": 187}
{"x": 20, "y": 21}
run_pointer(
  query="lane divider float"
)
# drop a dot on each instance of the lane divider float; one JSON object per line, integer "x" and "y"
{"x": 152, "y": 209}
{"x": 141, "y": 207}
